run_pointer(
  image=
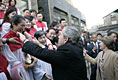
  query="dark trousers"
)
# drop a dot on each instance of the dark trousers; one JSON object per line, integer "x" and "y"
{"x": 93, "y": 72}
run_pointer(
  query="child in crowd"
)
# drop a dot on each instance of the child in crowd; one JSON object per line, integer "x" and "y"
{"x": 41, "y": 37}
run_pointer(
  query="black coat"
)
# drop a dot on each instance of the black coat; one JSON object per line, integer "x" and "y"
{"x": 115, "y": 46}
{"x": 67, "y": 62}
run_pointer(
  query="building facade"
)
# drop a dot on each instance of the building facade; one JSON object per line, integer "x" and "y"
{"x": 110, "y": 22}
{"x": 111, "y": 18}
{"x": 54, "y": 10}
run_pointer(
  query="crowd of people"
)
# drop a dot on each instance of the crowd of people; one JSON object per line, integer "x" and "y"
{"x": 31, "y": 50}
{"x": 101, "y": 51}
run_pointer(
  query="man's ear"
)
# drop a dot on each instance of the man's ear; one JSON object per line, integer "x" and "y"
{"x": 66, "y": 40}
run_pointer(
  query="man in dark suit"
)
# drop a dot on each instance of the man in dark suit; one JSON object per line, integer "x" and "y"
{"x": 94, "y": 47}
{"x": 67, "y": 61}
{"x": 93, "y": 50}
{"x": 114, "y": 35}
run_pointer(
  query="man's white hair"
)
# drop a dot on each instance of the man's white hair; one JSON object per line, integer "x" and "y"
{"x": 72, "y": 33}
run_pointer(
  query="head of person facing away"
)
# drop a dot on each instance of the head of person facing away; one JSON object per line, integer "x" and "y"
{"x": 106, "y": 42}
{"x": 69, "y": 35}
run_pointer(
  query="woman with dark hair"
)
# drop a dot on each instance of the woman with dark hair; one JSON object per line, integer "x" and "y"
{"x": 18, "y": 23}
{"x": 16, "y": 55}
{"x": 30, "y": 64}
{"x": 33, "y": 25}
{"x": 49, "y": 37}
{"x": 28, "y": 26}
{"x": 6, "y": 25}
{"x": 106, "y": 60}
{"x": 12, "y": 3}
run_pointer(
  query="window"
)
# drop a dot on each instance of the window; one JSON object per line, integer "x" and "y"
{"x": 74, "y": 21}
{"x": 59, "y": 14}
{"x": 114, "y": 22}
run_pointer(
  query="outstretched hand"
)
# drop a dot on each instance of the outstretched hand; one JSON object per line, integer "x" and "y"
{"x": 22, "y": 37}
{"x": 37, "y": 42}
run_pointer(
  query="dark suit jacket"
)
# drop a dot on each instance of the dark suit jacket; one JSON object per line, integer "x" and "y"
{"x": 91, "y": 52}
{"x": 115, "y": 46}
{"x": 67, "y": 62}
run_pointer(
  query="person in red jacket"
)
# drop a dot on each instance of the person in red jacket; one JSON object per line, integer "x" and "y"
{"x": 33, "y": 25}
{"x": 28, "y": 27}
{"x": 63, "y": 23}
{"x": 40, "y": 24}
{"x": 6, "y": 24}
